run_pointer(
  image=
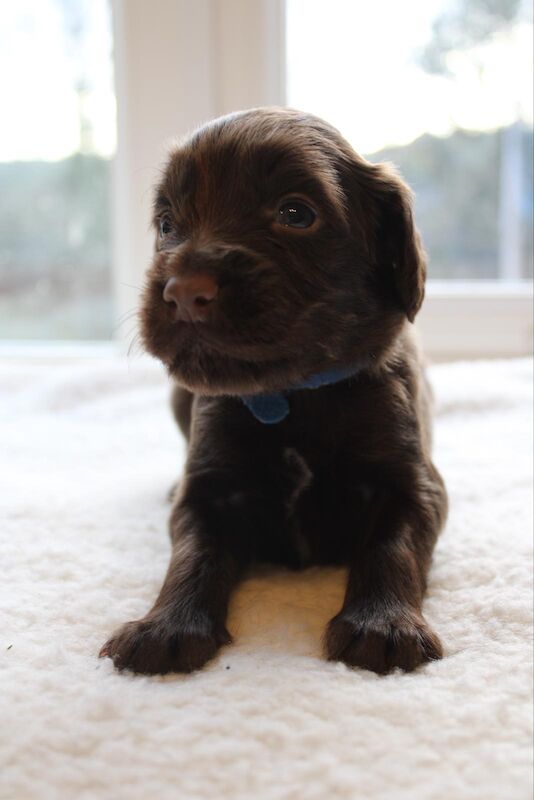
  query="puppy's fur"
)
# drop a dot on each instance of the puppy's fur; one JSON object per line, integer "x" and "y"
{"x": 347, "y": 477}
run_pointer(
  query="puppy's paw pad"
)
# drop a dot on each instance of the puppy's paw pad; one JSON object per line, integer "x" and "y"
{"x": 157, "y": 647}
{"x": 381, "y": 644}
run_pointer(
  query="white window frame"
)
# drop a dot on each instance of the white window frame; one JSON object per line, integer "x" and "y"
{"x": 482, "y": 319}
{"x": 179, "y": 63}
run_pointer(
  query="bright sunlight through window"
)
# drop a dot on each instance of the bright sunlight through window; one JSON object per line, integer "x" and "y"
{"x": 56, "y": 140}
{"x": 442, "y": 88}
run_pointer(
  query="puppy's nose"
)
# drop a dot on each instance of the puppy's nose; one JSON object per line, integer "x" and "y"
{"x": 192, "y": 296}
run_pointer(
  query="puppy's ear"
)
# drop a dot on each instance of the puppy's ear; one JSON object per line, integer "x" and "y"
{"x": 381, "y": 209}
{"x": 397, "y": 242}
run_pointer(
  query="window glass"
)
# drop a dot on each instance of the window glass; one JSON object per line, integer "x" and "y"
{"x": 443, "y": 89}
{"x": 56, "y": 140}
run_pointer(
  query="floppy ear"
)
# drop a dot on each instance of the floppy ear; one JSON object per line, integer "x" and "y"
{"x": 398, "y": 245}
{"x": 383, "y": 205}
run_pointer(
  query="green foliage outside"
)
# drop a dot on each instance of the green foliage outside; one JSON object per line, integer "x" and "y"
{"x": 55, "y": 249}
{"x": 456, "y": 181}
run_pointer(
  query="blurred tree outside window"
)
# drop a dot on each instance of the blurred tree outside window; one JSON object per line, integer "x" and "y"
{"x": 443, "y": 89}
{"x": 57, "y": 139}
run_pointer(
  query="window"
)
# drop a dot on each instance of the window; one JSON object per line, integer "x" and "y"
{"x": 56, "y": 141}
{"x": 442, "y": 88}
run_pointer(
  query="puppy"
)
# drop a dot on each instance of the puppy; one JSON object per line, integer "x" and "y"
{"x": 286, "y": 275}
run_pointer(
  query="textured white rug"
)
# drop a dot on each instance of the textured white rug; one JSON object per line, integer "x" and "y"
{"x": 87, "y": 454}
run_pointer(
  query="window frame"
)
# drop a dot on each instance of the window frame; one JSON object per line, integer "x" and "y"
{"x": 483, "y": 319}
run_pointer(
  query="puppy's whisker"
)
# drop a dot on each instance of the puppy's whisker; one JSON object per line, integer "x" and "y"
{"x": 134, "y": 343}
{"x": 128, "y": 312}
{"x": 131, "y": 286}
{"x": 126, "y": 317}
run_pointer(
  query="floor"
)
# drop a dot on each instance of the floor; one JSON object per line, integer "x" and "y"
{"x": 88, "y": 451}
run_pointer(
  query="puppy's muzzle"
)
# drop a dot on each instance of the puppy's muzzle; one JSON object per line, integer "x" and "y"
{"x": 192, "y": 296}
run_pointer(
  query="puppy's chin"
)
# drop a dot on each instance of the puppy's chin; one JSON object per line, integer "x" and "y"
{"x": 210, "y": 365}
{"x": 211, "y": 373}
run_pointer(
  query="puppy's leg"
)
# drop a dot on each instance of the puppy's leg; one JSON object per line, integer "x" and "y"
{"x": 380, "y": 625}
{"x": 186, "y": 625}
{"x": 181, "y": 404}
{"x": 220, "y": 521}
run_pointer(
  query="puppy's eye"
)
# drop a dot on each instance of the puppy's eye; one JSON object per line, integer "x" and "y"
{"x": 296, "y": 214}
{"x": 165, "y": 226}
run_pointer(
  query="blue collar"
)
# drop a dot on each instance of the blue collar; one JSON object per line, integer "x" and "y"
{"x": 273, "y": 408}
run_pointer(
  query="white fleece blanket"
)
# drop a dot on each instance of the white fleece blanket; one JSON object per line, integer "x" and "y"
{"x": 87, "y": 454}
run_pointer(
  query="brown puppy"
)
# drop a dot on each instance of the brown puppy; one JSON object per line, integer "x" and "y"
{"x": 286, "y": 274}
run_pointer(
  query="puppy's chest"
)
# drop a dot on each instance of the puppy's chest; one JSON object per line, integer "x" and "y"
{"x": 327, "y": 423}
{"x": 323, "y": 507}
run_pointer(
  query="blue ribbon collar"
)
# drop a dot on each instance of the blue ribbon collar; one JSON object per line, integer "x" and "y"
{"x": 273, "y": 408}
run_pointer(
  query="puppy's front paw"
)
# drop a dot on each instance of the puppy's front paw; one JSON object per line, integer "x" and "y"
{"x": 380, "y": 642}
{"x": 156, "y": 646}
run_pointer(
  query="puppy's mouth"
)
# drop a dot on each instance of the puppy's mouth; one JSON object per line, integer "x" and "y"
{"x": 231, "y": 343}
{"x": 218, "y": 358}
{"x": 207, "y": 370}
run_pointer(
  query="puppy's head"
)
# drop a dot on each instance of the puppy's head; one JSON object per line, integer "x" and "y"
{"x": 279, "y": 253}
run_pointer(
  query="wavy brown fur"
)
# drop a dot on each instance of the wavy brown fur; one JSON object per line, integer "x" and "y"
{"x": 347, "y": 478}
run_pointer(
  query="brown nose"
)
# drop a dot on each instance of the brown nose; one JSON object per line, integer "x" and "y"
{"x": 192, "y": 296}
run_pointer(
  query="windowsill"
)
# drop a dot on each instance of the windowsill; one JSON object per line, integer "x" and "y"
{"x": 469, "y": 320}
{"x": 480, "y": 289}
